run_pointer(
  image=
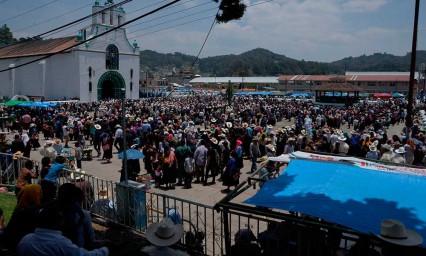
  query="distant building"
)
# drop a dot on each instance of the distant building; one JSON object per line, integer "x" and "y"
{"x": 101, "y": 68}
{"x": 271, "y": 82}
{"x": 369, "y": 82}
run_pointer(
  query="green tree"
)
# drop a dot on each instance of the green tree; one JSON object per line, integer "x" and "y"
{"x": 6, "y": 36}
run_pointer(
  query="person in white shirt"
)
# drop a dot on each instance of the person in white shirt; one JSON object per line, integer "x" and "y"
{"x": 65, "y": 131}
{"x": 399, "y": 157}
{"x": 343, "y": 146}
{"x": 118, "y": 143}
{"x": 333, "y": 139}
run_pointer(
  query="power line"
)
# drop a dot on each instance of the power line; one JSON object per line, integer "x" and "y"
{"x": 205, "y": 40}
{"x": 63, "y": 27}
{"x": 59, "y": 16}
{"x": 124, "y": 24}
{"x": 86, "y": 17}
{"x": 44, "y": 5}
{"x": 145, "y": 8}
{"x": 208, "y": 2}
{"x": 99, "y": 35}
{"x": 181, "y": 24}
{"x": 186, "y": 16}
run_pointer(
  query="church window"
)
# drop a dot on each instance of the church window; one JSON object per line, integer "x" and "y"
{"x": 112, "y": 57}
{"x": 103, "y": 17}
{"x": 90, "y": 86}
{"x": 131, "y": 73}
{"x": 90, "y": 72}
{"x": 131, "y": 86}
{"x": 119, "y": 20}
{"x": 111, "y": 18}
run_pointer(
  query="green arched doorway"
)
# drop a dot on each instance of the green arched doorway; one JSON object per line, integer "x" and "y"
{"x": 110, "y": 85}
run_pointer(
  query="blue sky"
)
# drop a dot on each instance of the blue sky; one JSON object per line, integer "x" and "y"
{"x": 318, "y": 30}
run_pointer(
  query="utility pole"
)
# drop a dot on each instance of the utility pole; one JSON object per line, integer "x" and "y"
{"x": 123, "y": 124}
{"x": 409, "y": 119}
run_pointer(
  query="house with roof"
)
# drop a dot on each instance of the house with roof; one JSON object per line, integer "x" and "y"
{"x": 370, "y": 82}
{"x": 83, "y": 67}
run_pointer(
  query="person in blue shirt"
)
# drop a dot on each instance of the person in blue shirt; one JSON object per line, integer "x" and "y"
{"x": 47, "y": 238}
{"x": 55, "y": 169}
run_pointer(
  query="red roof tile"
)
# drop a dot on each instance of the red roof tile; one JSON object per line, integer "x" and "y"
{"x": 358, "y": 78}
{"x": 378, "y": 78}
{"x": 39, "y": 47}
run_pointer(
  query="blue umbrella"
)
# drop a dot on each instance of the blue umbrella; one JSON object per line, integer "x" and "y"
{"x": 132, "y": 154}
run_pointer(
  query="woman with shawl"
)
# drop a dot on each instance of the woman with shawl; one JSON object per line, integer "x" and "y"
{"x": 107, "y": 143}
{"x": 169, "y": 167}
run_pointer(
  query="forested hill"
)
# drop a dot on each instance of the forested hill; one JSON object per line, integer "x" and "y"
{"x": 262, "y": 62}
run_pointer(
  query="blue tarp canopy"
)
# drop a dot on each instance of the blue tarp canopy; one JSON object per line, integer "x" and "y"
{"x": 348, "y": 195}
{"x": 253, "y": 93}
{"x": 300, "y": 94}
{"x": 397, "y": 95}
{"x": 37, "y": 104}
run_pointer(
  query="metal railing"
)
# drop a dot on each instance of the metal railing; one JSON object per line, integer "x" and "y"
{"x": 10, "y": 168}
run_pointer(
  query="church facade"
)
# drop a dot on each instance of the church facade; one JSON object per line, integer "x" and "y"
{"x": 99, "y": 68}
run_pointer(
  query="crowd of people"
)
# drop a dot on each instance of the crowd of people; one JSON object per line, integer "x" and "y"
{"x": 203, "y": 139}
{"x": 185, "y": 141}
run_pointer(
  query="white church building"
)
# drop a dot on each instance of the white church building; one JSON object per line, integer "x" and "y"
{"x": 98, "y": 69}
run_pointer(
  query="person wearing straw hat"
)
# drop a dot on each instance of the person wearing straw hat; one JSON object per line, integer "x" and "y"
{"x": 343, "y": 146}
{"x": 289, "y": 147}
{"x": 118, "y": 136}
{"x": 387, "y": 153}
{"x": 399, "y": 157}
{"x": 263, "y": 170}
{"x": 372, "y": 153}
{"x": 254, "y": 153}
{"x": 213, "y": 161}
{"x": 397, "y": 239}
{"x": 162, "y": 235}
{"x": 97, "y": 139}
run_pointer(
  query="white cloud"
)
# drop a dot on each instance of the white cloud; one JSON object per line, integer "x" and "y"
{"x": 363, "y": 5}
{"x": 376, "y": 32}
{"x": 320, "y": 30}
